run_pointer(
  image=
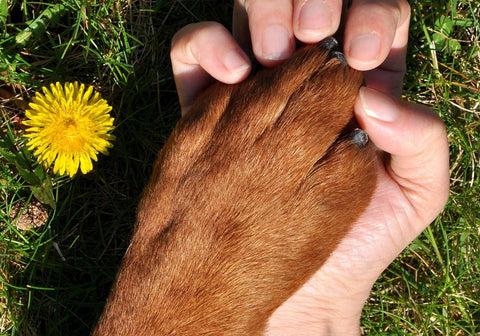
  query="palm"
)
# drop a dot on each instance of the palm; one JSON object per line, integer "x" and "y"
{"x": 359, "y": 259}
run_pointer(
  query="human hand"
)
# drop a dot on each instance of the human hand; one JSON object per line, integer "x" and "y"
{"x": 375, "y": 41}
{"x": 412, "y": 179}
{"x": 374, "y": 35}
{"x": 412, "y": 188}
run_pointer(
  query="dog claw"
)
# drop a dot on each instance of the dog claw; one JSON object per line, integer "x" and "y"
{"x": 330, "y": 43}
{"x": 340, "y": 56}
{"x": 359, "y": 137}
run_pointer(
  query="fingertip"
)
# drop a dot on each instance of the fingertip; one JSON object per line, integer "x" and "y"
{"x": 400, "y": 128}
{"x": 376, "y": 105}
{"x": 370, "y": 32}
{"x": 270, "y": 26}
{"x": 416, "y": 139}
{"x": 210, "y": 46}
{"x": 201, "y": 51}
{"x": 383, "y": 118}
{"x": 315, "y": 20}
{"x": 237, "y": 66}
{"x": 365, "y": 52}
{"x": 274, "y": 45}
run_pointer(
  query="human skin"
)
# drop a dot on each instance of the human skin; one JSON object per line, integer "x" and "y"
{"x": 413, "y": 177}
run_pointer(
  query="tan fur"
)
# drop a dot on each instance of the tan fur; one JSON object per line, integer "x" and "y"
{"x": 252, "y": 192}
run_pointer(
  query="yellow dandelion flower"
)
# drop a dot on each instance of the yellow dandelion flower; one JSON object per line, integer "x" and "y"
{"x": 68, "y": 125}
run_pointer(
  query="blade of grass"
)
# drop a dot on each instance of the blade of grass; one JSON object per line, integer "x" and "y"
{"x": 3, "y": 14}
{"x": 38, "y": 26}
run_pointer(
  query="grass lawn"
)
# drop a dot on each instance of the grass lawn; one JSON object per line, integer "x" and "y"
{"x": 55, "y": 276}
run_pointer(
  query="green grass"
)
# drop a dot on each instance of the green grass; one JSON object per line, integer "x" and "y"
{"x": 433, "y": 288}
{"x": 55, "y": 278}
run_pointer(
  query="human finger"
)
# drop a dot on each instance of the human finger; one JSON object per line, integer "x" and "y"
{"x": 372, "y": 30}
{"x": 416, "y": 141}
{"x": 202, "y": 51}
{"x": 314, "y": 20}
{"x": 269, "y": 28}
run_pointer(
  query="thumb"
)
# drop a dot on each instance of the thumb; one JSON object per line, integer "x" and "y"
{"x": 416, "y": 139}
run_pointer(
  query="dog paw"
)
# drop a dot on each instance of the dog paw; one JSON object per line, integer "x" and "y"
{"x": 252, "y": 192}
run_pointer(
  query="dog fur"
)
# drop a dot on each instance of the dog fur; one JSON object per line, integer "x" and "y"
{"x": 254, "y": 189}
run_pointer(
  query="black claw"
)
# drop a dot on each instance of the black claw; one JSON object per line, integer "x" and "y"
{"x": 340, "y": 56}
{"x": 359, "y": 137}
{"x": 330, "y": 43}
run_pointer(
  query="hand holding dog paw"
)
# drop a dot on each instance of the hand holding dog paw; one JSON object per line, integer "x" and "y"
{"x": 413, "y": 176}
{"x": 412, "y": 188}
{"x": 372, "y": 28}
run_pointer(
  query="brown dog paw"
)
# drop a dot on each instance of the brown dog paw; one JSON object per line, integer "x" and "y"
{"x": 253, "y": 191}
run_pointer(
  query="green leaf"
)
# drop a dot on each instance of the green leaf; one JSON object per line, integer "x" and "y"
{"x": 28, "y": 175}
{"x": 464, "y": 23}
{"x": 44, "y": 193}
{"x": 27, "y": 154}
{"x": 7, "y": 155}
{"x": 38, "y": 26}
{"x": 8, "y": 139}
{"x": 444, "y": 25}
{"x": 3, "y": 13}
{"x": 453, "y": 46}
{"x": 40, "y": 173}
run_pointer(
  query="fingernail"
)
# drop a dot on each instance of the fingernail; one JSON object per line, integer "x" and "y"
{"x": 236, "y": 62}
{"x": 365, "y": 48}
{"x": 276, "y": 43}
{"x": 315, "y": 18}
{"x": 378, "y": 105}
